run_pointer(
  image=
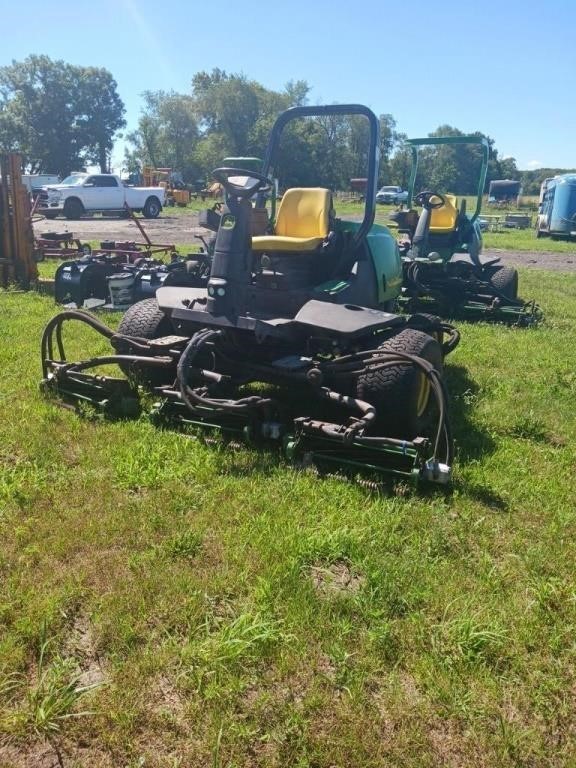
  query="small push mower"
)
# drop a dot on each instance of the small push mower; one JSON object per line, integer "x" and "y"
{"x": 441, "y": 247}
{"x": 293, "y": 340}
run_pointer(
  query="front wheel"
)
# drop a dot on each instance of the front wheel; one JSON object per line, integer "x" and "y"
{"x": 151, "y": 208}
{"x": 401, "y": 393}
{"x": 73, "y": 209}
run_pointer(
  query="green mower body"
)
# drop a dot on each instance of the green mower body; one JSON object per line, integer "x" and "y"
{"x": 294, "y": 339}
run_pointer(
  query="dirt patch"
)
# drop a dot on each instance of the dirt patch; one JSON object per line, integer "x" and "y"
{"x": 335, "y": 579}
{"x": 555, "y": 262}
{"x": 166, "y": 229}
{"x": 167, "y": 699}
{"x": 82, "y": 646}
{"x": 28, "y": 756}
{"x": 42, "y": 755}
{"x": 453, "y": 748}
{"x": 182, "y": 228}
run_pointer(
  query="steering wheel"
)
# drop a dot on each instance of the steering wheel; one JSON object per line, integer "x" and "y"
{"x": 425, "y": 200}
{"x": 255, "y": 182}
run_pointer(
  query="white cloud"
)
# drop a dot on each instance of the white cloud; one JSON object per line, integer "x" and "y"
{"x": 534, "y": 164}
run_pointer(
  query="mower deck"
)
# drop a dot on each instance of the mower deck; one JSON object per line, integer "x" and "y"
{"x": 313, "y": 419}
{"x": 462, "y": 289}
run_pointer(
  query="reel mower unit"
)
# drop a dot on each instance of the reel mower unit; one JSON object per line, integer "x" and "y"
{"x": 291, "y": 342}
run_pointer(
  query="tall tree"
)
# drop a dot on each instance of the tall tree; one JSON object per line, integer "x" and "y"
{"x": 227, "y": 105}
{"x": 167, "y": 134}
{"x": 59, "y": 116}
{"x": 456, "y": 167}
{"x": 99, "y": 113}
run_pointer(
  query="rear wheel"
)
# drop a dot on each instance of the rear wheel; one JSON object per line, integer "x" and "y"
{"x": 505, "y": 280}
{"x": 401, "y": 393}
{"x": 151, "y": 208}
{"x": 146, "y": 320}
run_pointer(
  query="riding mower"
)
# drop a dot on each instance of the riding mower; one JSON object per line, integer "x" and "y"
{"x": 433, "y": 279}
{"x": 293, "y": 341}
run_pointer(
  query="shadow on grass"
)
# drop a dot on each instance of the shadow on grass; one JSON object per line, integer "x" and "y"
{"x": 237, "y": 459}
{"x": 472, "y": 441}
{"x": 485, "y": 496}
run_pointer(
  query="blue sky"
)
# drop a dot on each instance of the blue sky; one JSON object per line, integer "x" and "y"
{"x": 506, "y": 68}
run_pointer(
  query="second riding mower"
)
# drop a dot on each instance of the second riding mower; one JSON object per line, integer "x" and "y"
{"x": 441, "y": 250}
{"x": 292, "y": 341}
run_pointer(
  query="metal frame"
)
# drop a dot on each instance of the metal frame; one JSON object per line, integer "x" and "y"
{"x": 431, "y": 141}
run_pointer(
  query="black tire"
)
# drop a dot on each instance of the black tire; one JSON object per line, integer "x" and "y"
{"x": 50, "y": 216}
{"x": 401, "y": 394}
{"x": 424, "y": 321}
{"x": 505, "y": 280}
{"x": 152, "y": 208}
{"x": 146, "y": 320}
{"x": 73, "y": 208}
{"x": 538, "y": 233}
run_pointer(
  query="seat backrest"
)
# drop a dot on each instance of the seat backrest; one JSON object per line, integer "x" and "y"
{"x": 446, "y": 217}
{"x": 304, "y": 212}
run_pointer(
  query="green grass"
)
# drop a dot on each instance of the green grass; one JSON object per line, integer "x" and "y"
{"x": 526, "y": 240}
{"x": 196, "y": 204}
{"x": 199, "y": 580}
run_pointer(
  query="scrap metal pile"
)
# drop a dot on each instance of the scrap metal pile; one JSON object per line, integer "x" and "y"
{"x": 118, "y": 274}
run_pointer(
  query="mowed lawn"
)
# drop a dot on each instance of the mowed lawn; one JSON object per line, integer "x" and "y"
{"x": 195, "y": 605}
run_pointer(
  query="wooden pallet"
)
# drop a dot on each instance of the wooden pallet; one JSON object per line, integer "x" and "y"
{"x": 17, "y": 263}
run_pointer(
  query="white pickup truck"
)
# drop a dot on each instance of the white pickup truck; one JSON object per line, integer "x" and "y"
{"x": 88, "y": 193}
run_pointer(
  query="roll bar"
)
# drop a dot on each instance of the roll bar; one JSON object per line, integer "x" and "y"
{"x": 430, "y": 141}
{"x": 373, "y": 150}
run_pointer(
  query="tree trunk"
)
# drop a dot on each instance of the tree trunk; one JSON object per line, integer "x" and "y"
{"x": 103, "y": 159}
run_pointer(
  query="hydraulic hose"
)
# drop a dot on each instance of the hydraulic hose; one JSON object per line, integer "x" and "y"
{"x": 348, "y": 365}
{"x": 192, "y": 398}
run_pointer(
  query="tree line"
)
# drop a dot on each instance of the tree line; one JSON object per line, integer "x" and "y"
{"x": 63, "y": 117}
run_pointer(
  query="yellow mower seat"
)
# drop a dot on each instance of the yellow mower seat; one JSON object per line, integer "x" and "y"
{"x": 444, "y": 219}
{"x": 302, "y": 223}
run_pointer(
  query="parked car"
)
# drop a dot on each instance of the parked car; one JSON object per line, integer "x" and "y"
{"x": 103, "y": 192}
{"x": 391, "y": 195}
{"x": 35, "y": 181}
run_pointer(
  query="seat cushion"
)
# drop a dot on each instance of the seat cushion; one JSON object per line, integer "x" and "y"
{"x": 278, "y": 243}
{"x": 302, "y": 222}
{"x": 444, "y": 219}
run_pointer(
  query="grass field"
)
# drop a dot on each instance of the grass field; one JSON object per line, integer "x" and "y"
{"x": 167, "y": 603}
